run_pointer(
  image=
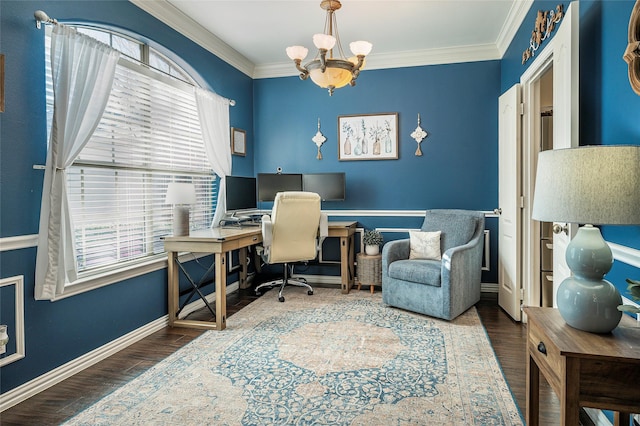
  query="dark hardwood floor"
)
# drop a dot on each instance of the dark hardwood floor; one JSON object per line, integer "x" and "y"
{"x": 71, "y": 396}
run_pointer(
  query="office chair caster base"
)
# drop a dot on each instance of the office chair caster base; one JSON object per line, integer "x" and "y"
{"x": 310, "y": 292}
{"x": 281, "y": 298}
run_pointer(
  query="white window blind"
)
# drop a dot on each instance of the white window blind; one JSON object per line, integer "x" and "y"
{"x": 148, "y": 136}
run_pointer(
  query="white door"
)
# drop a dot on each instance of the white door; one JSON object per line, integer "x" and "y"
{"x": 509, "y": 196}
{"x": 565, "y": 116}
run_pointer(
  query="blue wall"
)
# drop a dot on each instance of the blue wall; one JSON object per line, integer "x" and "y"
{"x": 56, "y": 333}
{"x": 457, "y": 103}
{"x": 609, "y": 109}
{"x": 458, "y": 109}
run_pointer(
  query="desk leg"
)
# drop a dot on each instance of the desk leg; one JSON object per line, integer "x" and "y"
{"x": 346, "y": 263}
{"x": 621, "y": 419}
{"x": 570, "y": 389}
{"x": 352, "y": 261}
{"x": 243, "y": 268}
{"x": 221, "y": 291}
{"x": 533, "y": 391}
{"x": 174, "y": 286}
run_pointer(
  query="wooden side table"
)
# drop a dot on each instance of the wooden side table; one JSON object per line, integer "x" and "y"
{"x": 584, "y": 369}
{"x": 369, "y": 270}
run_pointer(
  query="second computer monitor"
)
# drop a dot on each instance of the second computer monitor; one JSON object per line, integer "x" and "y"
{"x": 330, "y": 186}
{"x": 240, "y": 193}
{"x": 269, "y": 184}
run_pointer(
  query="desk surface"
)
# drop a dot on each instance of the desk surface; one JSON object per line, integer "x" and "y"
{"x": 219, "y": 234}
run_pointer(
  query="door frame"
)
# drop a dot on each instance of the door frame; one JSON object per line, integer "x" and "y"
{"x": 531, "y": 140}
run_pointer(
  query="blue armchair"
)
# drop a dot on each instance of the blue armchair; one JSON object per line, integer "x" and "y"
{"x": 438, "y": 288}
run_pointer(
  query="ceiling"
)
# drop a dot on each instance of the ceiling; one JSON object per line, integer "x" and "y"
{"x": 252, "y": 35}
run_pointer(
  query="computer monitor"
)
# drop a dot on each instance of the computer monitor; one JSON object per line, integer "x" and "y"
{"x": 269, "y": 184}
{"x": 240, "y": 193}
{"x": 330, "y": 186}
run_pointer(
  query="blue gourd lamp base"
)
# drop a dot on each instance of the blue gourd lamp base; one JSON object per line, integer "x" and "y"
{"x": 586, "y": 301}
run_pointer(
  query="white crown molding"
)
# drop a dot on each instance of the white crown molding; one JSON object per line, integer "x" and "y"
{"x": 413, "y": 58}
{"x": 170, "y": 15}
{"x": 517, "y": 13}
{"x": 173, "y": 17}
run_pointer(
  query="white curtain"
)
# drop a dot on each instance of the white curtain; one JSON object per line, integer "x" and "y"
{"x": 83, "y": 71}
{"x": 213, "y": 111}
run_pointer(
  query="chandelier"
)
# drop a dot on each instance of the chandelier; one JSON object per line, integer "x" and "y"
{"x": 325, "y": 70}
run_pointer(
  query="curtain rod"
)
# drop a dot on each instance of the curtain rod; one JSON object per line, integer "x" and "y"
{"x": 42, "y": 16}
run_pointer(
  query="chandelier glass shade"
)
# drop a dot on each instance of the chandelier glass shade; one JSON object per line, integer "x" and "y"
{"x": 325, "y": 70}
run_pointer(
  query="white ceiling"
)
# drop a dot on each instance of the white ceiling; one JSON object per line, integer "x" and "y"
{"x": 252, "y": 34}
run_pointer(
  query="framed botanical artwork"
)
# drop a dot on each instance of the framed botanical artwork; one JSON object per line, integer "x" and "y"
{"x": 368, "y": 137}
{"x": 238, "y": 142}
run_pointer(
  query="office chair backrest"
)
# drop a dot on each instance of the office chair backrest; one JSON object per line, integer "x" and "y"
{"x": 295, "y": 219}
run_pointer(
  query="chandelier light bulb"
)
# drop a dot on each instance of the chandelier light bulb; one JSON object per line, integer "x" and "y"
{"x": 324, "y": 41}
{"x": 360, "y": 47}
{"x": 297, "y": 52}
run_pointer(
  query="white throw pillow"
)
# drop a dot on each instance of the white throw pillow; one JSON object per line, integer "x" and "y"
{"x": 424, "y": 245}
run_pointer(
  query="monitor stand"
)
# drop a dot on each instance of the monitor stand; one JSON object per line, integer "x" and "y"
{"x": 233, "y": 220}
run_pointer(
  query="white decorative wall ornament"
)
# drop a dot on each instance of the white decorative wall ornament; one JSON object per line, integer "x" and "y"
{"x": 419, "y": 134}
{"x": 319, "y": 139}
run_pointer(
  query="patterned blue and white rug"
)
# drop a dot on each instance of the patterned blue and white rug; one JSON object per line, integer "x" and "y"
{"x": 326, "y": 359}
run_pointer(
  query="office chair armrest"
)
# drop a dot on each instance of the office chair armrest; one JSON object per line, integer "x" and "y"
{"x": 267, "y": 230}
{"x": 324, "y": 226}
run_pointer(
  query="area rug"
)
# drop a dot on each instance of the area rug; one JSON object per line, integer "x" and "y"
{"x": 325, "y": 359}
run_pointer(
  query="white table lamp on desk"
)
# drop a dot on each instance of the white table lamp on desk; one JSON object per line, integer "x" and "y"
{"x": 590, "y": 185}
{"x": 181, "y": 195}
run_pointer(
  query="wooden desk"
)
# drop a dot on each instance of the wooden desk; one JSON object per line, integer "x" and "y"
{"x": 345, "y": 231}
{"x": 220, "y": 241}
{"x": 584, "y": 369}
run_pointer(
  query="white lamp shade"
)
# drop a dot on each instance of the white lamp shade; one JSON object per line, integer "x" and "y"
{"x": 360, "y": 47}
{"x": 297, "y": 52}
{"x": 180, "y": 193}
{"x": 324, "y": 41}
{"x": 589, "y": 185}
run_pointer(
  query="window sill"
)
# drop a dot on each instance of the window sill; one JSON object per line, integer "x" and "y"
{"x": 98, "y": 280}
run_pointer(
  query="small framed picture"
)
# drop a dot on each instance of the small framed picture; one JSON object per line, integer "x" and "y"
{"x": 238, "y": 142}
{"x": 368, "y": 137}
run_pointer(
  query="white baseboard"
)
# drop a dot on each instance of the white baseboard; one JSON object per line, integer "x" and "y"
{"x": 55, "y": 376}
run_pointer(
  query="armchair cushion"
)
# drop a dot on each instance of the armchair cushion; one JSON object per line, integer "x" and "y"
{"x": 420, "y": 271}
{"x": 425, "y": 245}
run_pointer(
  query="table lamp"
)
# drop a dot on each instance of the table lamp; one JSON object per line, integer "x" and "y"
{"x": 590, "y": 185}
{"x": 181, "y": 195}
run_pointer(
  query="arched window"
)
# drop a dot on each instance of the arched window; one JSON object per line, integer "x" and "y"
{"x": 149, "y": 136}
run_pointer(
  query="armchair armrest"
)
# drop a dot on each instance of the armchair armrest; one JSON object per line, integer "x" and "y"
{"x": 394, "y": 250}
{"x": 463, "y": 264}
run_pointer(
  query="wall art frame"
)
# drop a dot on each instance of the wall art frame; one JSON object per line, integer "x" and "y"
{"x": 238, "y": 141}
{"x": 368, "y": 136}
{"x": 16, "y": 324}
{"x": 632, "y": 53}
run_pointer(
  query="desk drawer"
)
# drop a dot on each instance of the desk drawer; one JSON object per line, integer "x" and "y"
{"x": 249, "y": 240}
{"x": 547, "y": 355}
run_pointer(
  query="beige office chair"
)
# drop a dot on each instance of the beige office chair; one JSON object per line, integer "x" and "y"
{"x": 292, "y": 233}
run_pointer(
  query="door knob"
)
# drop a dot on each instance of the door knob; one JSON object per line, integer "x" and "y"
{"x": 558, "y": 229}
